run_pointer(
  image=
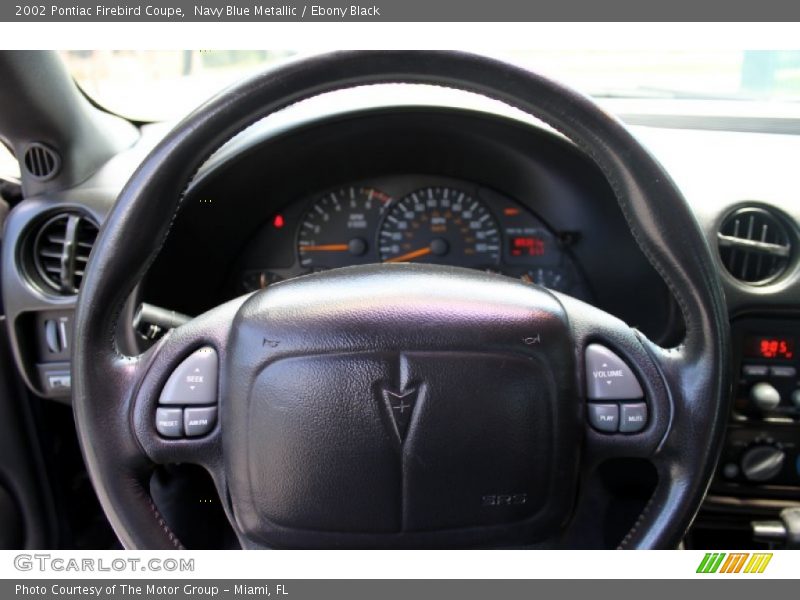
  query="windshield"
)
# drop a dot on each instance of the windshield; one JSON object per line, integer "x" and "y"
{"x": 158, "y": 85}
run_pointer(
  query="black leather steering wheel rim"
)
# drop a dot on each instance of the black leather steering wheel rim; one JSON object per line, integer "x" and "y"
{"x": 106, "y": 382}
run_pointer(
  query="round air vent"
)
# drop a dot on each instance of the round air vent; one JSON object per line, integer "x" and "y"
{"x": 61, "y": 250}
{"x": 41, "y": 162}
{"x": 755, "y": 245}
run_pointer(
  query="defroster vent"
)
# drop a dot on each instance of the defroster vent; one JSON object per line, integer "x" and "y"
{"x": 41, "y": 162}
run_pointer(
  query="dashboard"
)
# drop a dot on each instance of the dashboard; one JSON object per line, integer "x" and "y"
{"x": 411, "y": 218}
{"x": 469, "y": 186}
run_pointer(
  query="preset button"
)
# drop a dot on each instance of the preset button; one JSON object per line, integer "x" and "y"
{"x": 169, "y": 422}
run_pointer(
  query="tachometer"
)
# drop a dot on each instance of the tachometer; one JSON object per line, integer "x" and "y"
{"x": 339, "y": 228}
{"x": 440, "y": 225}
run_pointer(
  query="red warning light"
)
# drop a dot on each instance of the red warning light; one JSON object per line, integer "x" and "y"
{"x": 278, "y": 221}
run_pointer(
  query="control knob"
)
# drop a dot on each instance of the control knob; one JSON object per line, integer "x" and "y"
{"x": 762, "y": 462}
{"x": 765, "y": 396}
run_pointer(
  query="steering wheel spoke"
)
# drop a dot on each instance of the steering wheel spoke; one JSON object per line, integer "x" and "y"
{"x": 641, "y": 402}
{"x": 627, "y": 400}
{"x": 177, "y": 400}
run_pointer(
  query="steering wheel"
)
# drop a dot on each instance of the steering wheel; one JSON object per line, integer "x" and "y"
{"x": 401, "y": 405}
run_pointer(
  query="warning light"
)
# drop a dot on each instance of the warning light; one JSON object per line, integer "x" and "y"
{"x": 526, "y": 246}
{"x": 511, "y": 212}
{"x": 278, "y": 221}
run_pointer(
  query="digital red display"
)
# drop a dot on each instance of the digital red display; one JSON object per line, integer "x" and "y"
{"x": 773, "y": 347}
{"x": 526, "y": 246}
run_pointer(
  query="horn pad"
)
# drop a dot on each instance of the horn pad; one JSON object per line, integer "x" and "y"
{"x": 401, "y": 406}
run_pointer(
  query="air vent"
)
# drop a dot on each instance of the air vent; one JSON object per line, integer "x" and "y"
{"x": 61, "y": 250}
{"x": 754, "y": 245}
{"x": 41, "y": 162}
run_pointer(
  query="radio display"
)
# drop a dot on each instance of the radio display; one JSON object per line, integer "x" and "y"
{"x": 769, "y": 346}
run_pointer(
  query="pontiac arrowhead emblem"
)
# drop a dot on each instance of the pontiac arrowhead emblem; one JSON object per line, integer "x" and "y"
{"x": 400, "y": 406}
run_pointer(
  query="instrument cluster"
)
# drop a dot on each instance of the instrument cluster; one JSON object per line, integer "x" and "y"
{"x": 411, "y": 219}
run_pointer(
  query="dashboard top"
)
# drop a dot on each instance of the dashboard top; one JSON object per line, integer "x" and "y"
{"x": 725, "y": 169}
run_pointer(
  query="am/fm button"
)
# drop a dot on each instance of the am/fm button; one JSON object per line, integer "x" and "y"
{"x": 199, "y": 421}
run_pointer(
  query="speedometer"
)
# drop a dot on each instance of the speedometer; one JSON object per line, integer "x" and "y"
{"x": 338, "y": 229}
{"x": 440, "y": 225}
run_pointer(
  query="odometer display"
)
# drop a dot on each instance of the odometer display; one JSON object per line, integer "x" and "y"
{"x": 440, "y": 225}
{"x": 526, "y": 245}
